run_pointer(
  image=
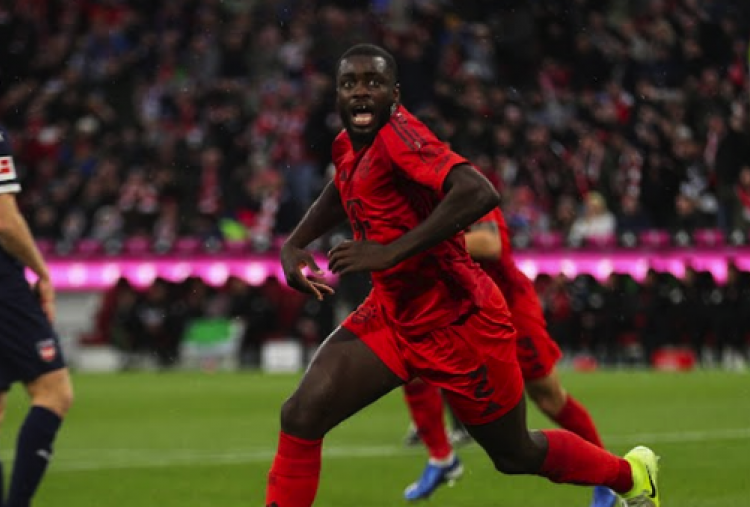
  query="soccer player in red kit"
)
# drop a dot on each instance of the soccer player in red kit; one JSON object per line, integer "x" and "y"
{"x": 488, "y": 242}
{"x": 433, "y": 313}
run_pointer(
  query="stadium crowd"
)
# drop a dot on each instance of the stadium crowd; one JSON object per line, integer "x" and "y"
{"x": 617, "y": 322}
{"x": 214, "y": 118}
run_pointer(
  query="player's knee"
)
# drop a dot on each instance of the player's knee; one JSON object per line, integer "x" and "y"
{"x": 302, "y": 417}
{"x": 58, "y": 400}
{"x": 64, "y": 398}
{"x": 54, "y": 393}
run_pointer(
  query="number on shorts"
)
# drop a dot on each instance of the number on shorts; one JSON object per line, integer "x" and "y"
{"x": 483, "y": 390}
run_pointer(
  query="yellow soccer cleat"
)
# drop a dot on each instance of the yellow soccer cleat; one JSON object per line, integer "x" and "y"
{"x": 645, "y": 466}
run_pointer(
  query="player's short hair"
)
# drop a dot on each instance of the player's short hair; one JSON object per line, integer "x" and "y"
{"x": 371, "y": 50}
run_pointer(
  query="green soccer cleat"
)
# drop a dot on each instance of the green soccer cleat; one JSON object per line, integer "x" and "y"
{"x": 645, "y": 466}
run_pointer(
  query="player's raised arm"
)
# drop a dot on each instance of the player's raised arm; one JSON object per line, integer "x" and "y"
{"x": 325, "y": 213}
{"x": 483, "y": 240}
{"x": 468, "y": 196}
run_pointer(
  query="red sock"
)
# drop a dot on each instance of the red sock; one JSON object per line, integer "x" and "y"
{"x": 295, "y": 473}
{"x": 426, "y": 406}
{"x": 574, "y": 417}
{"x": 572, "y": 460}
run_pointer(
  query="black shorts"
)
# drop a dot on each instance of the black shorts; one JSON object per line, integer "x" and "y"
{"x": 29, "y": 347}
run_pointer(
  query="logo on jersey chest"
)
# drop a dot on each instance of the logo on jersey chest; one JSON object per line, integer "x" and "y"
{"x": 47, "y": 350}
{"x": 7, "y": 169}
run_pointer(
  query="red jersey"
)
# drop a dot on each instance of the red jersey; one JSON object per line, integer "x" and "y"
{"x": 513, "y": 283}
{"x": 387, "y": 189}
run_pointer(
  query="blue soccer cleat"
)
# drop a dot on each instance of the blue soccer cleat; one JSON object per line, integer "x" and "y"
{"x": 604, "y": 497}
{"x": 432, "y": 478}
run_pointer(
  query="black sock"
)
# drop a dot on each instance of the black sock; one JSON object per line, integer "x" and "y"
{"x": 33, "y": 452}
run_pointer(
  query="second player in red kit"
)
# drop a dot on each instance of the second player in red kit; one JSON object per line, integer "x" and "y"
{"x": 537, "y": 352}
{"x": 488, "y": 242}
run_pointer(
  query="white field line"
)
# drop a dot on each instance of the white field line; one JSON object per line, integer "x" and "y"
{"x": 74, "y": 460}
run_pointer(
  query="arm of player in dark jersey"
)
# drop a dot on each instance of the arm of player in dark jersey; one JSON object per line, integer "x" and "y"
{"x": 468, "y": 196}
{"x": 483, "y": 241}
{"x": 325, "y": 213}
{"x": 16, "y": 239}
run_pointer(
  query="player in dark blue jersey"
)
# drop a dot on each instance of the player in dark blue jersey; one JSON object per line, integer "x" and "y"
{"x": 29, "y": 348}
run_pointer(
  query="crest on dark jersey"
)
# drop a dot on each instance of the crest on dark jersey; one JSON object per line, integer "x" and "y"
{"x": 47, "y": 350}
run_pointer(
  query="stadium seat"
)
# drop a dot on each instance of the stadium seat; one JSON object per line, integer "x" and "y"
{"x": 45, "y": 246}
{"x": 655, "y": 238}
{"x": 547, "y": 240}
{"x": 137, "y": 245}
{"x": 187, "y": 245}
{"x": 88, "y": 247}
{"x": 609, "y": 241}
{"x": 235, "y": 247}
{"x": 709, "y": 237}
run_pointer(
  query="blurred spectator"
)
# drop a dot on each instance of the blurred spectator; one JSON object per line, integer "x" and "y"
{"x": 158, "y": 325}
{"x": 731, "y": 322}
{"x": 688, "y": 216}
{"x": 259, "y": 316}
{"x": 631, "y": 218}
{"x": 560, "y": 314}
{"x": 742, "y": 199}
{"x": 597, "y": 222}
{"x": 651, "y": 307}
{"x": 618, "y": 319}
{"x": 120, "y": 322}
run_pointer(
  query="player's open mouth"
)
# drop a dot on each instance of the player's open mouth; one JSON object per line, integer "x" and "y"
{"x": 362, "y": 116}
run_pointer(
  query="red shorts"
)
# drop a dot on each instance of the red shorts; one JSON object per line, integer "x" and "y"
{"x": 537, "y": 351}
{"x": 472, "y": 360}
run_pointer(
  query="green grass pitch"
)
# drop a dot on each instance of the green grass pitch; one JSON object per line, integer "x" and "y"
{"x": 199, "y": 440}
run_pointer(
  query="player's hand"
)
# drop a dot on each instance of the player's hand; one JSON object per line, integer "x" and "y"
{"x": 353, "y": 256}
{"x": 46, "y": 294}
{"x": 293, "y": 260}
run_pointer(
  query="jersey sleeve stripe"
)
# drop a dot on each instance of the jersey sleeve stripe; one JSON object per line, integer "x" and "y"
{"x": 13, "y": 188}
{"x": 409, "y": 138}
{"x": 403, "y": 137}
{"x": 417, "y": 140}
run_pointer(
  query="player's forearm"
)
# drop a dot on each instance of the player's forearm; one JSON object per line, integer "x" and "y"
{"x": 468, "y": 197}
{"x": 325, "y": 213}
{"x": 16, "y": 239}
